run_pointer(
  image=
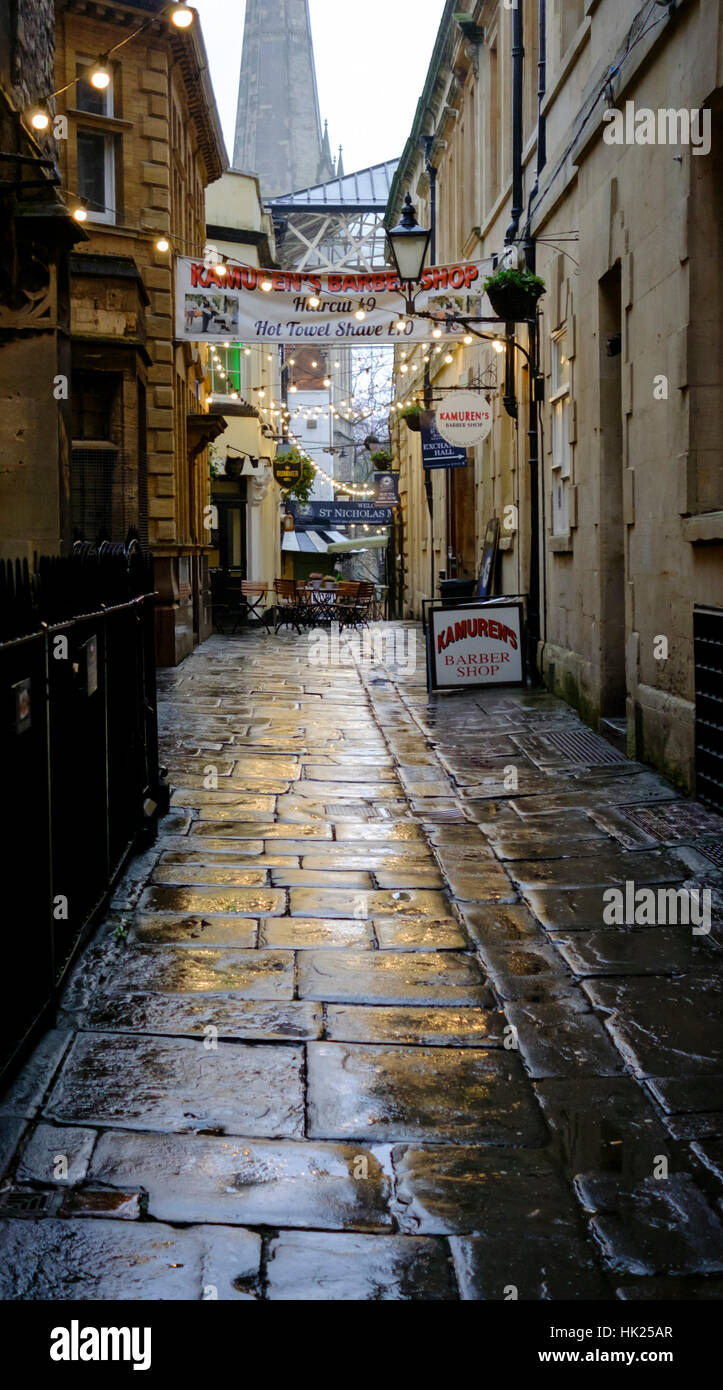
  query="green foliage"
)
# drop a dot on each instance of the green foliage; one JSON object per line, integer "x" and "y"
{"x": 410, "y": 412}
{"x": 382, "y": 460}
{"x": 301, "y": 490}
{"x": 516, "y": 279}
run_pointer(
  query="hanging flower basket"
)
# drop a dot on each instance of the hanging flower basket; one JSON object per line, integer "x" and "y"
{"x": 513, "y": 294}
{"x": 416, "y": 419}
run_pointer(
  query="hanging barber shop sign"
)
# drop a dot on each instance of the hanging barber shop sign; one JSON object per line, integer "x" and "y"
{"x": 464, "y": 418}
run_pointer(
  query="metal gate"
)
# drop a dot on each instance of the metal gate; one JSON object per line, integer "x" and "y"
{"x": 79, "y": 752}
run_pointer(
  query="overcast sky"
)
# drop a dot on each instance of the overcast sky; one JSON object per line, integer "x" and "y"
{"x": 371, "y": 62}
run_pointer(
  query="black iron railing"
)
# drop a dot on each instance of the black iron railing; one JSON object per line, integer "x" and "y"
{"x": 79, "y": 758}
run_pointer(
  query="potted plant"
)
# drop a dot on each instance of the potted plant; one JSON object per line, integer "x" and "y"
{"x": 382, "y": 460}
{"x": 415, "y": 418}
{"x": 513, "y": 294}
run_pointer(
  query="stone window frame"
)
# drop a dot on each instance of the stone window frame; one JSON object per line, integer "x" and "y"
{"x": 93, "y": 123}
{"x": 560, "y": 402}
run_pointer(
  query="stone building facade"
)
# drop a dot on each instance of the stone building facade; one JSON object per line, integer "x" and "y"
{"x": 627, "y": 239}
{"x": 139, "y": 156}
{"x": 37, "y": 234}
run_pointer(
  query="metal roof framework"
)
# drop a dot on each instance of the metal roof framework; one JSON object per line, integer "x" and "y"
{"x": 337, "y": 224}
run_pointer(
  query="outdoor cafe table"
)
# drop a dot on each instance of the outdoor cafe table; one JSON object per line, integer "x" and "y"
{"x": 318, "y": 605}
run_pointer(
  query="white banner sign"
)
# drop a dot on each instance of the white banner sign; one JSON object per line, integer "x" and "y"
{"x": 464, "y": 418}
{"x": 476, "y": 645}
{"x": 229, "y": 305}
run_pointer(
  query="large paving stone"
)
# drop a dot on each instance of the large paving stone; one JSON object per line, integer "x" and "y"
{"x": 248, "y": 1182}
{"x": 535, "y": 1268}
{"x": 341, "y": 772}
{"x": 157, "y": 928}
{"x": 496, "y": 922}
{"x": 48, "y": 1144}
{"x": 124, "y": 1261}
{"x": 209, "y": 875}
{"x": 328, "y": 902}
{"x": 403, "y": 935}
{"x": 426, "y": 1094}
{"x": 179, "y": 970}
{"x": 602, "y": 1125}
{"x": 606, "y": 867}
{"x": 387, "y": 832}
{"x": 664, "y": 1027}
{"x": 640, "y": 951}
{"x": 463, "y": 1027}
{"x": 457, "y": 1190}
{"x": 179, "y": 1085}
{"x": 309, "y": 1267}
{"x": 200, "y": 852}
{"x": 556, "y": 1042}
{"x": 661, "y": 1226}
{"x": 247, "y": 902}
{"x": 320, "y": 878}
{"x": 309, "y": 933}
{"x": 254, "y": 830}
{"x": 187, "y": 1014}
{"x": 434, "y": 977}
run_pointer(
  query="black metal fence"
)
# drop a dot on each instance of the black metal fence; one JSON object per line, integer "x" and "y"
{"x": 79, "y": 758}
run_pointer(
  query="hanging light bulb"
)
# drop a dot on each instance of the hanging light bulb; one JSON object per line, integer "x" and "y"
{"x": 360, "y": 315}
{"x": 162, "y": 244}
{"x": 182, "y": 15}
{"x": 468, "y": 339}
{"x": 100, "y": 76}
{"x": 261, "y": 391}
{"x": 313, "y": 301}
{"x": 448, "y": 358}
{"x": 247, "y": 352}
{"x": 315, "y": 364}
{"x": 292, "y": 361}
{"x": 267, "y": 285}
{"x": 327, "y": 381}
{"x": 404, "y": 368}
{"x": 436, "y": 332}
{"x": 293, "y": 388}
{"x": 80, "y": 214}
{"x": 498, "y": 345}
{"x": 40, "y": 120}
{"x": 400, "y": 326}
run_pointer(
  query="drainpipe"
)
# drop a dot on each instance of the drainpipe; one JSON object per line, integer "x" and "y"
{"x": 432, "y": 175}
{"x": 533, "y": 606}
{"x": 518, "y": 53}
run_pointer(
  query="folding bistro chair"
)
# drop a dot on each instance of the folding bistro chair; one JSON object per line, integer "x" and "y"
{"x": 345, "y": 600}
{"x": 362, "y": 604}
{"x": 287, "y": 608}
{"x": 254, "y": 593}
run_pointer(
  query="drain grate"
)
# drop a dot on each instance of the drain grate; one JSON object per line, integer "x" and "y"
{"x": 584, "y": 747}
{"x": 677, "y": 820}
{"x": 24, "y": 1203}
{"x": 713, "y": 851}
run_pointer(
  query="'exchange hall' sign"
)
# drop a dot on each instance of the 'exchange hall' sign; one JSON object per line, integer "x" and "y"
{"x": 221, "y": 304}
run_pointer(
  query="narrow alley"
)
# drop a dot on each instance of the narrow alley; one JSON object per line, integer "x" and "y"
{"x": 356, "y": 1028}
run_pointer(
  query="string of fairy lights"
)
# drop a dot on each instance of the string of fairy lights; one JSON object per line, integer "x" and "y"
{"x": 99, "y": 75}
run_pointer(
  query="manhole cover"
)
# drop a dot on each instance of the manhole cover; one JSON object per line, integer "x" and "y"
{"x": 584, "y": 747}
{"x": 676, "y": 820}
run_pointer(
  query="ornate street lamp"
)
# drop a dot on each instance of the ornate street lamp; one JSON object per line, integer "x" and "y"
{"x": 408, "y": 244}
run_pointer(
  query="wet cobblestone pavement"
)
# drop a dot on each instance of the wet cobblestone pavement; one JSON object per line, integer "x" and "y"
{"x": 355, "y": 1027}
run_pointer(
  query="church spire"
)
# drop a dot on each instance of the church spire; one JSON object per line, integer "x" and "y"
{"x": 340, "y": 163}
{"x": 325, "y": 170}
{"x": 278, "y": 125}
